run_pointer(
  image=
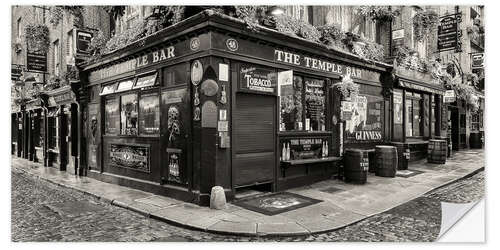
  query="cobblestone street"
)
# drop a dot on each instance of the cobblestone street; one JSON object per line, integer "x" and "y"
{"x": 42, "y": 211}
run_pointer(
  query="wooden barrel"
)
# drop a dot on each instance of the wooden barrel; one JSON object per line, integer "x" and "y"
{"x": 387, "y": 161}
{"x": 355, "y": 166}
{"x": 436, "y": 152}
{"x": 372, "y": 162}
{"x": 475, "y": 140}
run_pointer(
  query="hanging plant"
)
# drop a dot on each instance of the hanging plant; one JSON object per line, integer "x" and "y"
{"x": 347, "y": 87}
{"x": 37, "y": 37}
{"x": 56, "y": 13}
{"x": 378, "y": 13}
{"x": 424, "y": 22}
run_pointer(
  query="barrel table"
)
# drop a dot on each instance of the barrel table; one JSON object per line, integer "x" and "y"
{"x": 355, "y": 166}
{"x": 386, "y": 158}
{"x": 436, "y": 152}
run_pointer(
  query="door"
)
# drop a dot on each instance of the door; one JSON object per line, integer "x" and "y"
{"x": 255, "y": 153}
{"x": 454, "y": 117}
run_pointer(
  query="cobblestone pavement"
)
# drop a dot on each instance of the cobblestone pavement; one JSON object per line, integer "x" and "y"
{"x": 43, "y": 211}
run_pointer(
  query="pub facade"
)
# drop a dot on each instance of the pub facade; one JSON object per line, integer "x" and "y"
{"x": 202, "y": 104}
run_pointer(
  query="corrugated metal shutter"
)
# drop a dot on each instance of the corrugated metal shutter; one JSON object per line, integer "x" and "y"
{"x": 254, "y": 139}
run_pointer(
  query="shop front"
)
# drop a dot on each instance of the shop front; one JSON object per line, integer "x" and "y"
{"x": 62, "y": 129}
{"x": 417, "y": 104}
{"x": 201, "y": 105}
{"x": 16, "y": 131}
{"x": 35, "y": 130}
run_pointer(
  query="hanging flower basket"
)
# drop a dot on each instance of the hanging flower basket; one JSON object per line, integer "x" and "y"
{"x": 348, "y": 89}
{"x": 424, "y": 22}
{"x": 37, "y": 37}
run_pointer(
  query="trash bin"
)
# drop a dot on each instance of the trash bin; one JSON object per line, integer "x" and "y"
{"x": 386, "y": 158}
{"x": 356, "y": 165}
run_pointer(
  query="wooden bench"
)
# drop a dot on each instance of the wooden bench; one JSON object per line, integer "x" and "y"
{"x": 292, "y": 163}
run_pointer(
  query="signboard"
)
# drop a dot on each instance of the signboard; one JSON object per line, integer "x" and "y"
{"x": 449, "y": 96}
{"x": 134, "y": 157}
{"x": 174, "y": 96}
{"x": 65, "y": 97}
{"x": 304, "y": 148}
{"x": 257, "y": 79}
{"x": 398, "y": 38}
{"x": 365, "y": 123}
{"x": 398, "y": 107}
{"x": 323, "y": 65}
{"x": 398, "y": 34}
{"x": 477, "y": 60}
{"x": 156, "y": 56}
{"x": 448, "y": 33}
{"x": 16, "y": 72}
{"x": 83, "y": 39}
{"x": 36, "y": 61}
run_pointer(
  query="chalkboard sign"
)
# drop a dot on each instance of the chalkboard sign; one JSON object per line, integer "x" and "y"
{"x": 315, "y": 104}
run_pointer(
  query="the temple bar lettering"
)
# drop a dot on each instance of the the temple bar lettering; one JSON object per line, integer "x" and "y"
{"x": 318, "y": 64}
{"x": 136, "y": 63}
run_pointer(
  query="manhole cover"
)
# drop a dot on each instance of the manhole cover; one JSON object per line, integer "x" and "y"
{"x": 74, "y": 208}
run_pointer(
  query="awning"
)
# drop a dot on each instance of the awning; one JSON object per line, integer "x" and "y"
{"x": 125, "y": 85}
{"x": 108, "y": 89}
{"x": 145, "y": 81}
{"x": 435, "y": 89}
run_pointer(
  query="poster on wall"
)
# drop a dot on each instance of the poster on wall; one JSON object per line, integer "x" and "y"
{"x": 134, "y": 157}
{"x": 257, "y": 79}
{"x": 365, "y": 121}
{"x": 398, "y": 107}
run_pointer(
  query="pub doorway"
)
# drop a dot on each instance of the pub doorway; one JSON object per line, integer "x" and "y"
{"x": 453, "y": 118}
{"x": 254, "y": 156}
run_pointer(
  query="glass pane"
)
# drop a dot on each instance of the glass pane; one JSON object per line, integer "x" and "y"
{"x": 315, "y": 104}
{"x": 175, "y": 75}
{"x": 417, "y": 119}
{"x": 365, "y": 122}
{"x": 149, "y": 114}
{"x": 409, "y": 127}
{"x": 129, "y": 114}
{"x": 291, "y": 106}
{"x": 112, "y": 116}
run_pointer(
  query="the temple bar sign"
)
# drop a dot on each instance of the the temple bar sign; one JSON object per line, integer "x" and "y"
{"x": 322, "y": 65}
{"x": 133, "y": 64}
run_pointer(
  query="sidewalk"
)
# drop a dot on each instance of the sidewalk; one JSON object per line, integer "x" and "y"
{"x": 342, "y": 204}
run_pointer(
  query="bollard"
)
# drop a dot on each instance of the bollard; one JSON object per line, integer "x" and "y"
{"x": 217, "y": 198}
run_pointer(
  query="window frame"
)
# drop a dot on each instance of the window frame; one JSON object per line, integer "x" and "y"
{"x": 158, "y": 96}
{"x": 304, "y": 76}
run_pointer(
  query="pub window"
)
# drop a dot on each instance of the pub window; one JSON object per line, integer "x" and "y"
{"x": 433, "y": 115}
{"x": 364, "y": 119}
{"x": 149, "y": 114}
{"x": 414, "y": 118}
{"x": 302, "y": 105}
{"x": 111, "y": 116}
{"x": 175, "y": 75}
{"x": 291, "y": 106}
{"x": 314, "y": 104}
{"x": 129, "y": 114}
{"x": 52, "y": 124}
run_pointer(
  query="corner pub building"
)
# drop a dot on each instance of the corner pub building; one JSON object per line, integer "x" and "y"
{"x": 207, "y": 102}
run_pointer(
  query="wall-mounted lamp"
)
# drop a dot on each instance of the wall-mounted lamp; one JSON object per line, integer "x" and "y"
{"x": 275, "y": 11}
